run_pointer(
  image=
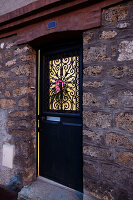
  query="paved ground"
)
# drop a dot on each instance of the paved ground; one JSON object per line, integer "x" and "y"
{"x": 44, "y": 190}
{"x": 48, "y": 190}
{"x": 41, "y": 190}
{"x": 7, "y": 195}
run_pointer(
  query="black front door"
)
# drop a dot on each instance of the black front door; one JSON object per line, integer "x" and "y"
{"x": 60, "y": 116}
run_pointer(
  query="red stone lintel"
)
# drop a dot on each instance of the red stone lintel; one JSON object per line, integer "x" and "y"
{"x": 27, "y": 9}
{"x": 74, "y": 15}
{"x": 39, "y": 16}
{"x": 34, "y": 10}
{"x": 77, "y": 20}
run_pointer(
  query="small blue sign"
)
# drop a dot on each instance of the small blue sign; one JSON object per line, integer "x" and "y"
{"x": 52, "y": 24}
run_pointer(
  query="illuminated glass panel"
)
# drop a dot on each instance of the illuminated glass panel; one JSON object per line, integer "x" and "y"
{"x": 64, "y": 84}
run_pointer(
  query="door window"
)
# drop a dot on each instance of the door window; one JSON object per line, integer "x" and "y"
{"x": 64, "y": 84}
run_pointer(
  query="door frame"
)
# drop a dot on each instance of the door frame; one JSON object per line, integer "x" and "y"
{"x": 62, "y": 45}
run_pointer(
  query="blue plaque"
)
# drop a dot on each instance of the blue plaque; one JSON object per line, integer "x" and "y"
{"x": 51, "y": 24}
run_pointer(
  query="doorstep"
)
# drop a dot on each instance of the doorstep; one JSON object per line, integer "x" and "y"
{"x": 45, "y": 189}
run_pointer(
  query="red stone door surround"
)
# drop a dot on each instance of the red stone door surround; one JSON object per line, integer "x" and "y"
{"x": 31, "y": 22}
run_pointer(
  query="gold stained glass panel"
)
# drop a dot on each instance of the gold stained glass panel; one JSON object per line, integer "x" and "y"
{"x": 64, "y": 84}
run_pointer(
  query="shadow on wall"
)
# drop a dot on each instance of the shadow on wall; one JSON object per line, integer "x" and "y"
{"x": 123, "y": 195}
{"x": 7, "y": 195}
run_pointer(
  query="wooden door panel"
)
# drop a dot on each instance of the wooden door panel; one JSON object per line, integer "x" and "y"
{"x": 61, "y": 116}
{"x": 60, "y": 151}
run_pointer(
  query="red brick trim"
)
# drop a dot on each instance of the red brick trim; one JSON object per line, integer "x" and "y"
{"x": 33, "y": 8}
{"x": 82, "y": 19}
{"x": 27, "y": 9}
{"x": 31, "y": 22}
{"x": 37, "y": 16}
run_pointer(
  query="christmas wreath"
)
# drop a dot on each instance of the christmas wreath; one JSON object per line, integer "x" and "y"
{"x": 59, "y": 91}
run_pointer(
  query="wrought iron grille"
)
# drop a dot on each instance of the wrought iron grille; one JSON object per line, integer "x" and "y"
{"x": 64, "y": 84}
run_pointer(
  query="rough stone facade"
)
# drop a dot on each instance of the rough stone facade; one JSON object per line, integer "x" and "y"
{"x": 108, "y": 105}
{"x": 17, "y": 109}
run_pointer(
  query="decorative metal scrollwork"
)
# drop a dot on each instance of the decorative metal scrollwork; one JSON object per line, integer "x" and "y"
{"x": 64, "y": 84}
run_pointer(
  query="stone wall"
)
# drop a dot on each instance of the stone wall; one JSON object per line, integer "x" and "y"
{"x": 107, "y": 105}
{"x": 17, "y": 111}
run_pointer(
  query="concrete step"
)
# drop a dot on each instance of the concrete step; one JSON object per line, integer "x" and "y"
{"x": 44, "y": 189}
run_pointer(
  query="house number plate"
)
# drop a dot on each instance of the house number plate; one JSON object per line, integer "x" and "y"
{"x": 52, "y": 24}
